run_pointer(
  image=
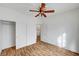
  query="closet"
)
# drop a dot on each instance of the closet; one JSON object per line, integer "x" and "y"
{"x": 7, "y": 34}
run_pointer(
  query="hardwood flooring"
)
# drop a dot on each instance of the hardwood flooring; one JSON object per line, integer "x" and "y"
{"x": 38, "y": 49}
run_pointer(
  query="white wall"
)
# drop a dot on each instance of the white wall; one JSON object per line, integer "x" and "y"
{"x": 20, "y": 35}
{"x": 0, "y": 37}
{"x": 62, "y": 30}
{"x": 25, "y": 35}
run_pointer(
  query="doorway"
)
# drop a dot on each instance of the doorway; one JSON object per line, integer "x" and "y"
{"x": 8, "y": 35}
{"x": 38, "y": 29}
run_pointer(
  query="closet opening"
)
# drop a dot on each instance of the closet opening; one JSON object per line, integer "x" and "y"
{"x": 7, "y": 35}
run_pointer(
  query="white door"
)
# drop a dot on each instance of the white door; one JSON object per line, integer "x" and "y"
{"x": 8, "y": 34}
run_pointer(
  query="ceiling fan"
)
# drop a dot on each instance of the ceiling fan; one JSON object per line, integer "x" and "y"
{"x": 42, "y": 10}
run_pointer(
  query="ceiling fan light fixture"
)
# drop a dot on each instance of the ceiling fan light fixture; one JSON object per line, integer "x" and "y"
{"x": 42, "y": 10}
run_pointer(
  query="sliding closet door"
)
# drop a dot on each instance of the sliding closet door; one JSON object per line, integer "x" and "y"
{"x": 8, "y": 34}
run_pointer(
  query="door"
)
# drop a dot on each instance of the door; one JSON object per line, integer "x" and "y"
{"x": 8, "y": 34}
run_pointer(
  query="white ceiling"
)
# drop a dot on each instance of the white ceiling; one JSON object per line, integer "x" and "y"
{"x": 25, "y": 7}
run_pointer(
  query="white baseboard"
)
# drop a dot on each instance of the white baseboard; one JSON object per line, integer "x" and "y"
{"x": 9, "y": 46}
{"x": 24, "y": 45}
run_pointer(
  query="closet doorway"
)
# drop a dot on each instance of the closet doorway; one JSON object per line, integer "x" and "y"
{"x": 7, "y": 34}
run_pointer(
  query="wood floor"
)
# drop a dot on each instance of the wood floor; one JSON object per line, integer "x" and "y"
{"x": 38, "y": 49}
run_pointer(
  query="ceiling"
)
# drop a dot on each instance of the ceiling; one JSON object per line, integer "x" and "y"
{"x": 25, "y": 7}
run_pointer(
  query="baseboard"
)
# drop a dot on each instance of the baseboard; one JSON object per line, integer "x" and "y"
{"x": 24, "y": 45}
{"x": 8, "y": 47}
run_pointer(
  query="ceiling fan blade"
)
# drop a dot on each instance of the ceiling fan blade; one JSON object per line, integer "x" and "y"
{"x": 44, "y": 15}
{"x": 49, "y": 11}
{"x": 37, "y": 15}
{"x": 33, "y": 10}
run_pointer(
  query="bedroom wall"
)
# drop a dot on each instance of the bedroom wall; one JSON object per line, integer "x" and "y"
{"x": 0, "y": 37}
{"x": 62, "y": 30}
{"x": 25, "y": 35}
